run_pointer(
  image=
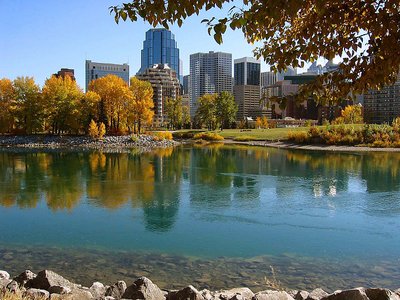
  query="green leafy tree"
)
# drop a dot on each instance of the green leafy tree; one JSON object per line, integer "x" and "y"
{"x": 206, "y": 110}
{"x": 174, "y": 111}
{"x": 225, "y": 109}
{"x": 186, "y": 117}
{"x": 364, "y": 33}
{"x": 29, "y": 110}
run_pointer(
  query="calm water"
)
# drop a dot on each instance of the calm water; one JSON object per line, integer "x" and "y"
{"x": 215, "y": 217}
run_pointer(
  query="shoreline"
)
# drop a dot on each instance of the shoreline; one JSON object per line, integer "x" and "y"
{"x": 47, "y": 284}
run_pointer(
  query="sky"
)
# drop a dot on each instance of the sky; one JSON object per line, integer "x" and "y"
{"x": 41, "y": 37}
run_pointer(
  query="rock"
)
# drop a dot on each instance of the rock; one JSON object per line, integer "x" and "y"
{"x": 23, "y": 278}
{"x": 98, "y": 290}
{"x": 4, "y": 275}
{"x": 143, "y": 288}
{"x": 46, "y": 278}
{"x": 272, "y": 295}
{"x": 188, "y": 293}
{"x": 4, "y": 283}
{"x": 206, "y": 294}
{"x": 354, "y": 294}
{"x": 13, "y": 287}
{"x": 293, "y": 293}
{"x": 301, "y": 295}
{"x": 109, "y": 298}
{"x": 116, "y": 290}
{"x": 244, "y": 293}
{"x": 62, "y": 290}
{"x": 397, "y": 292}
{"x": 317, "y": 294}
{"x": 381, "y": 294}
{"x": 36, "y": 293}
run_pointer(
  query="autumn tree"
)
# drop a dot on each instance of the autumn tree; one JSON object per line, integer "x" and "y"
{"x": 365, "y": 34}
{"x": 90, "y": 108}
{"x": 206, "y": 110}
{"x": 225, "y": 109}
{"x": 28, "y": 105}
{"x": 351, "y": 114}
{"x": 174, "y": 111}
{"x": 186, "y": 117}
{"x": 115, "y": 97}
{"x": 7, "y": 99}
{"x": 258, "y": 122}
{"x": 141, "y": 105}
{"x": 62, "y": 100}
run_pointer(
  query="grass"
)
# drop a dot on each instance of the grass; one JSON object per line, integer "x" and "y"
{"x": 11, "y": 296}
{"x": 273, "y": 134}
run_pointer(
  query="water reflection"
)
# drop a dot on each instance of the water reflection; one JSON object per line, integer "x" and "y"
{"x": 216, "y": 174}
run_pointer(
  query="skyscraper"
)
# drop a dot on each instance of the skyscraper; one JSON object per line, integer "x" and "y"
{"x": 160, "y": 47}
{"x": 96, "y": 70}
{"x": 209, "y": 73}
{"x": 247, "y": 87}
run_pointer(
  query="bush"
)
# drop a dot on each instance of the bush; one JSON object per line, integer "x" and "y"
{"x": 183, "y": 135}
{"x": 208, "y": 136}
{"x": 300, "y": 137}
{"x": 134, "y": 138}
{"x": 161, "y": 135}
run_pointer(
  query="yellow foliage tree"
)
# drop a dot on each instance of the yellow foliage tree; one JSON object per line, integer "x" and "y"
{"x": 141, "y": 106}
{"x": 93, "y": 129}
{"x": 90, "y": 108}
{"x": 102, "y": 130}
{"x": 115, "y": 97}
{"x": 352, "y": 114}
{"x": 264, "y": 122}
{"x": 7, "y": 99}
{"x": 258, "y": 122}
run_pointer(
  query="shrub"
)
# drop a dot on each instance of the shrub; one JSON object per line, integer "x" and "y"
{"x": 298, "y": 136}
{"x": 161, "y": 135}
{"x": 134, "y": 138}
{"x": 183, "y": 135}
{"x": 208, "y": 136}
{"x": 93, "y": 130}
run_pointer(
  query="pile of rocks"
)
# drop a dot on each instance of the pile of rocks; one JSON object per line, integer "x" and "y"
{"x": 84, "y": 142}
{"x": 49, "y": 285}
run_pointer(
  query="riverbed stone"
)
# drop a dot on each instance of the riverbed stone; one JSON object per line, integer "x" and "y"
{"x": 4, "y": 275}
{"x": 353, "y": 294}
{"x": 24, "y": 277}
{"x": 116, "y": 290}
{"x": 244, "y": 293}
{"x": 317, "y": 294}
{"x": 301, "y": 295}
{"x": 143, "y": 288}
{"x": 46, "y": 278}
{"x": 381, "y": 294}
{"x": 272, "y": 295}
{"x": 36, "y": 293}
{"x": 98, "y": 290}
{"x": 187, "y": 293}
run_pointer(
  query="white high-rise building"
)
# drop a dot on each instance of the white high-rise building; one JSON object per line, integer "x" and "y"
{"x": 209, "y": 73}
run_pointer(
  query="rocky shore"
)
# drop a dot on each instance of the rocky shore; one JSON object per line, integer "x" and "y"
{"x": 113, "y": 143}
{"x": 50, "y": 285}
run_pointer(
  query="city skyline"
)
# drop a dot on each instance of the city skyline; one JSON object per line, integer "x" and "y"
{"x": 64, "y": 35}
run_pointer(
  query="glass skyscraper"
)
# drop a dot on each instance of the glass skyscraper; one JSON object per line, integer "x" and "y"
{"x": 160, "y": 47}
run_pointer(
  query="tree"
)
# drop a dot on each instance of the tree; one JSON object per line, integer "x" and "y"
{"x": 141, "y": 105}
{"x": 115, "y": 97}
{"x": 258, "y": 122}
{"x": 225, "y": 109}
{"x": 364, "y": 33}
{"x": 264, "y": 122}
{"x": 174, "y": 111}
{"x": 352, "y": 114}
{"x": 29, "y": 111}
{"x": 62, "y": 100}
{"x": 93, "y": 130}
{"x": 206, "y": 110}
{"x": 90, "y": 108}
{"x": 186, "y": 117}
{"x": 7, "y": 99}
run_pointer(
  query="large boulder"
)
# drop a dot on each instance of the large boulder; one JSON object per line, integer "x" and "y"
{"x": 36, "y": 293}
{"x": 62, "y": 290}
{"x": 143, "y": 288}
{"x": 317, "y": 294}
{"x": 24, "y": 277}
{"x": 116, "y": 290}
{"x": 46, "y": 278}
{"x": 237, "y": 293}
{"x": 187, "y": 293}
{"x": 272, "y": 295}
{"x": 354, "y": 294}
{"x": 381, "y": 294}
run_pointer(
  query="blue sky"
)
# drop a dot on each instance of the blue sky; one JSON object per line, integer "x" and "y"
{"x": 40, "y": 37}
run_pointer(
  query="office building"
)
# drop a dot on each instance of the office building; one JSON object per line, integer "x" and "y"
{"x": 382, "y": 106}
{"x": 209, "y": 73}
{"x": 66, "y": 72}
{"x": 288, "y": 72}
{"x": 186, "y": 85}
{"x": 95, "y": 70}
{"x": 247, "y": 87}
{"x": 160, "y": 47}
{"x": 268, "y": 79}
{"x": 165, "y": 85}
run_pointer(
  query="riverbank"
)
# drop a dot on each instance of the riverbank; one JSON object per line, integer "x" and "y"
{"x": 108, "y": 143}
{"x": 50, "y": 285}
{"x": 290, "y": 145}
